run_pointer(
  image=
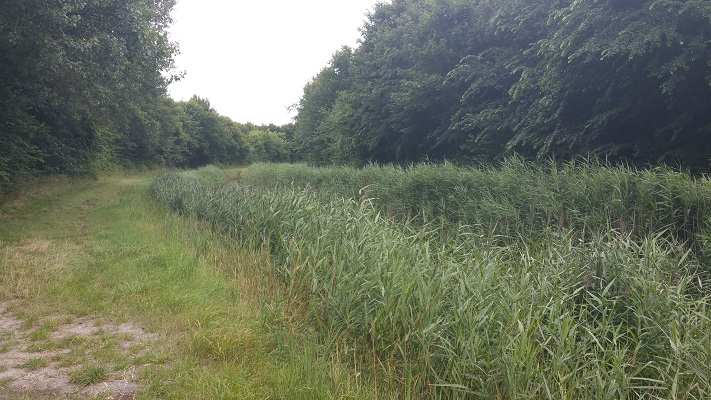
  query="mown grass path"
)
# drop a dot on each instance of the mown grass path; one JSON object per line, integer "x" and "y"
{"x": 200, "y": 316}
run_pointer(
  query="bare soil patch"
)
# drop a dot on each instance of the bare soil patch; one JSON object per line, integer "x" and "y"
{"x": 37, "y": 358}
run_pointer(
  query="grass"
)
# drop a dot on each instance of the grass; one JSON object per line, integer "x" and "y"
{"x": 34, "y": 364}
{"x": 579, "y": 281}
{"x": 102, "y": 250}
{"x": 516, "y": 197}
{"x": 42, "y": 333}
{"x": 207, "y": 175}
{"x": 88, "y": 374}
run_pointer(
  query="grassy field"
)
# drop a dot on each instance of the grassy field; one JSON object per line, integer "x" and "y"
{"x": 174, "y": 309}
{"x": 575, "y": 281}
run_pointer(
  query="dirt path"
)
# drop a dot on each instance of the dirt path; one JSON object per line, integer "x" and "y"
{"x": 46, "y": 355}
{"x": 106, "y": 295}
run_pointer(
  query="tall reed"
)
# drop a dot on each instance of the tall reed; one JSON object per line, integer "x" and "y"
{"x": 515, "y": 303}
{"x": 518, "y": 197}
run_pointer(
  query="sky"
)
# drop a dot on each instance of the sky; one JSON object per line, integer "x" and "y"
{"x": 251, "y": 59}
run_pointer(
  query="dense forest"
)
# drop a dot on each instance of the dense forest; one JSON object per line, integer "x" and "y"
{"x": 471, "y": 80}
{"x": 83, "y": 90}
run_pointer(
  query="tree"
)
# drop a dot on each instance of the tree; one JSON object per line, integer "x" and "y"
{"x": 628, "y": 80}
{"x": 398, "y": 103}
{"x": 267, "y": 146}
{"x": 635, "y": 81}
{"x": 73, "y": 74}
{"x": 211, "y": 138}
{"x": 317, "y": 139}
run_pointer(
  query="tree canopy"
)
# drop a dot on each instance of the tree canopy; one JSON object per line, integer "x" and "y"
{"x": 83, "y": 90}
{"x": 83, "y": 87}
{"x": 74, "y": 76}
{"x": 456, "y": 79}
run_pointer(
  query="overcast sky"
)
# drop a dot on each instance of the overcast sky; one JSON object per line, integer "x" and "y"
{"x": 251, "y": 59}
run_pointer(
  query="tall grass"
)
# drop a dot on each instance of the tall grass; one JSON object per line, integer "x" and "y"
{"x": 501, "y": 297}
{"x": 209, "y": 174}
{"x": 517, "y": 197}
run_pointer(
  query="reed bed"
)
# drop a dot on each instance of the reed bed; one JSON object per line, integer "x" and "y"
{"x": 208, "y": 175}
{"x": 495, "y": 298}
{"x": 517, "y": 197}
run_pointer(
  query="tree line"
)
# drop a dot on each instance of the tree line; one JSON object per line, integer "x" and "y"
{"x": 83, "y": 90}
{"x": 472, "y": 80}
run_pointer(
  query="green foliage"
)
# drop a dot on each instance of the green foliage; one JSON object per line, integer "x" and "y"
{"x": 623, "y": 79}
{"x": 315, "y": 135}
{"x": 577, "y": 196}
{"x": 83, "y": 90}
{"x": 88, "y": 374}
{"x": 206, "y": 175}
{"x": 477, "y": 79}
{"x": 211, "y": 138}
{"x": 479, "y": 310}
{"x": 71, "y": 76}
{"x": 266, "y": 145}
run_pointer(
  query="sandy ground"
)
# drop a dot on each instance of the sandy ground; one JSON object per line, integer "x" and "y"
{"x": 29, "y": 372}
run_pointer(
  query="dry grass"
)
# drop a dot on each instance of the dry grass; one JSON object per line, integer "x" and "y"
{"x": 25, "y": 266}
